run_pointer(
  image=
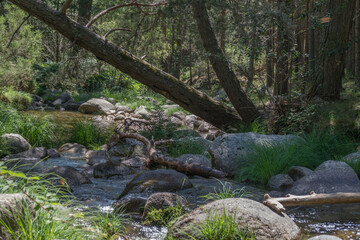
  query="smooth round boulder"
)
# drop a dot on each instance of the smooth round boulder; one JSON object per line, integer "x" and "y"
{"x": 96, "y": 105}
{"x": 72, "y": 176}
{"x": 329, "y": 177}
{"x": 161, "y": 180}
{"x": 248, "y": 214}
{"x": 231, "y": 151}
{"x": 15, "y": 143}
{"x": 163, "y": 200}
{"x": 280, "y": 182}
{"x": 297, "y": 172}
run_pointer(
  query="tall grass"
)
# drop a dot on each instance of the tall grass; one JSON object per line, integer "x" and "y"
{"x": 16, "y": 98}
{"x": 320, "y": 146}
{"x": 89, "y": 135}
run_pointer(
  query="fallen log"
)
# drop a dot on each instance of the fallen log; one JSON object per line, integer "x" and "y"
{"x": 279, "y": 204}
{"x": 160, "y": 159}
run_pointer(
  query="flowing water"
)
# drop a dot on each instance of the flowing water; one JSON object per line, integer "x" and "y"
{"x": 339, "y": 220}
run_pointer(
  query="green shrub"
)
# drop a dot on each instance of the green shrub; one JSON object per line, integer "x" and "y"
{"x": 320, "y": 146}
{"x": 88, "y": 134}
{"x": 221, "y": 227}
{"x": 17, "y": 99}
{"x": 164, "y": 217}
{"x": 185, "y": 147}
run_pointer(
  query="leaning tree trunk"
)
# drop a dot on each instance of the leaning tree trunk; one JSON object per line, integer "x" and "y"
{"x": 189, "y": 98}
{"x": 332, "y": 60}
{"x": 221, "y": 66}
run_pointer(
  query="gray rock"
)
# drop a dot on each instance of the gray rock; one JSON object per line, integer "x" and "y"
{"x": 121, "y": 108}
{"x": 324, "y": 237}
{"x": 231, "y": 150}
{"x": 175, "y": 121}
{"x": 163, "y": 200}
{"x": 72, "y": 176}
{"x": 160, "y": 180}
{"x": 96, "y": 105}
{"x": 131, "y": 205}
{"x": 127, "y": 148}
{"x": 53, "y": 153}
{"x": 329, "y": 177}
{"x": 191, "y": 121}
{"x": 141, "y": 112}
{"x": 297, "y": 172}
{"x": 63, "y": 98}
{"x": 36, "y": 153}
{"x": 179, "y": 115}
{"x": 195, "y": 159}
{"x": 15, "y": 143}
{"x": 280, "y": 182}
{"x": 256, "y": 217}
{"x": 108, "y": 169}
{"x": 95, "y": 157}
{"x": 111, "y": 100}
{"x": 353, "y": 157}
{"x": 72, "y": 148}
{"x": 72, "y": 105}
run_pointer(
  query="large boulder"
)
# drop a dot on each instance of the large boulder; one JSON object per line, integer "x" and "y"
{"x": 280, "y": 182}
{"x": 72, "y": 176}
{"x": 248, "y": 214}
{"x": 72, "y": 105}
{"x": 161, "y": 180}
{"x": 96, "y": 105}
{"x": 36, "y": 153}
{"x": 108, "y": 169}
{"x": 330, "y": 177}
{"x": 231, "y": 150}
{"x": 15, "y": 143}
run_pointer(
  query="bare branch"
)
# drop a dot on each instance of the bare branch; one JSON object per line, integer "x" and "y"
{"x": 65, "y": 6}
{"x": 133, "y": 3}
{"x": 116, "y": 29}
{"x": 22, "y": 23}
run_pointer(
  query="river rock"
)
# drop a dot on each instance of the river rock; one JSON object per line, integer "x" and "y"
{"x": 195, "y": 159}
{"x": 63, "y": 98}
{"x": 161, "y": 180}
{"x": 256, "y": 217}
{"x": 108, "y": 169}
{"x": 297, "y": 172}
{"x": 72, "y": 148}
{"x": 121, "y": 108}
{"x": 15, "y": 143}
{"x": 72, "y": 176}
{"x": 324, "y": 237}
{"x": 141, "y": 112}
{"x": 163, "y": 200}
{"x": 96, "y": 105}
{"x": 72, "y": 105}
{"x": 230, "y": 151}
{"x": 36, "y": 153}
{"x": 53, "y": 153}
{"x": 131, "y": 205}
{"x": 330, "y": 177}
{"x": 95, "y": 157}
{"x": 280, "y": 182}
{"x": 353, "y": 157}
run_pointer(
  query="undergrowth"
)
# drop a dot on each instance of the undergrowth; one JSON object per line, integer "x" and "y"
{"x": 226, "y": 191}
{"x": 17, "y": 99}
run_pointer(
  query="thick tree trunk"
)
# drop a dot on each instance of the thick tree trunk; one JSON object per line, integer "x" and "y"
{"x": 279, "y": 204}
{"x": 332, "y": 59}
{"x": 189, "y": 98}
{"x": 357, "y": 44}
{"x": 221, "y": 66}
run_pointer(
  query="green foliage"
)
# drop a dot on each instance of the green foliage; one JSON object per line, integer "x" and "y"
{"x": 165, "y": 216}
{"x": 226, "y": 191}
{"x": 161, "y": 127}
{"x": 187, "y": 146}
{"x": 17, "y": 59}
{"x": 221, "y": 226}
{"x": 256, "y": 126}
{"x": 44, "y": 72}
{"x": 110, "y": 225}
{"x": 319, "y": 146}
{"x": 355, "y": 164}
{"x": 17, "y": 99}
{"x": 88, "y": 134}
{"x": 38, "y": 131}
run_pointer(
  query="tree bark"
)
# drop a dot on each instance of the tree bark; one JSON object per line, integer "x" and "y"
{"x": 357, "y": 45}
{"x": 189, "y": 98}
{"x": 279, "y": 204}
{"x": 221, "y": 66}
{"x": 328, "y": 82}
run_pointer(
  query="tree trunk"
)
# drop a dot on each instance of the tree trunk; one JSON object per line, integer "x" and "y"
{"x": 189, "y": 98}
{"x": 221, "y": 66}
{"x": 357, "y": 45}
{"x": 335, "y": 42}
{"x": 279, "y": 204}
{"x": 270, "y": 58}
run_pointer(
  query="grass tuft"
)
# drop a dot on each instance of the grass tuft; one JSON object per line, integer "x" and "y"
{"x": 226, "y": 191}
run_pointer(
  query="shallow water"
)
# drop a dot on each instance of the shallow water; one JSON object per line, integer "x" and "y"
{"x": 340, "y": 220}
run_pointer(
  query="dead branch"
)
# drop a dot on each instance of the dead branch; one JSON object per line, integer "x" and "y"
{"x": 160, "y": 159}
{"x": 17, "y": 30}
{"x": 279, "y": 204}
{"x": 116, "y": 29}
{"x": 65, "y": 7}
{"x": 133, "y": 3}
